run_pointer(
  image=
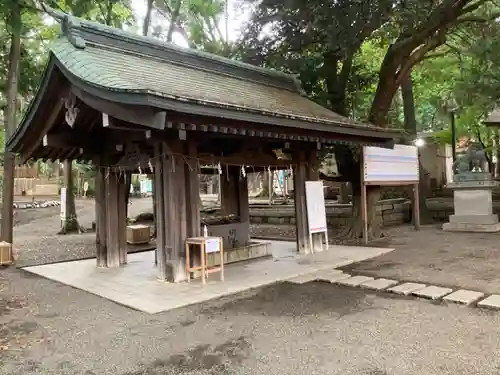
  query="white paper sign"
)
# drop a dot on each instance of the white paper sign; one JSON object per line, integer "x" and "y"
{"x": 315, "y": 202}
{"x": 63, "y": 203}
{"x": 212, "y": 245}
{"x": 391, "y": 165}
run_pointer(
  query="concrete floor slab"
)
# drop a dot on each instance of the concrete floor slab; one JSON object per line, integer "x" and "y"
{"x": 406, "y": 288}
{"x": 135, "y": 284}
{"x": 354, "y": 280}
{"x": 379, "y": 284}
{"x": 491, "y": 302}
{"x": 302, "y": 279}
{"x": 464, "y": 297}
{"x": 432, "y": 292}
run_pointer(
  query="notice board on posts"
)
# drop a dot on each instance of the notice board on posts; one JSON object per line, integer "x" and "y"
{"x": 399, "y": 165}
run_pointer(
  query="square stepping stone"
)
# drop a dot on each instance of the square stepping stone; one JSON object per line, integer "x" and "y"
{"x": 406, "y": 288}
{"x": 464, "y": 297}
{"x": 379, "y": 284}
{"x": 354, "y": 281}
{"x": 432, "y": 292}
{"x": 333, "y": 278}
{"x": 492, "y": 302}
{"x": 327, "y": 274}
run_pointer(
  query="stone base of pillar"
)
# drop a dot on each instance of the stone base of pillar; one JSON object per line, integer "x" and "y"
{"x": 473, "y": 206}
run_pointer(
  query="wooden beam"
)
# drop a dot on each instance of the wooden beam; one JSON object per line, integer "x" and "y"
{"x": 134, "y": 114}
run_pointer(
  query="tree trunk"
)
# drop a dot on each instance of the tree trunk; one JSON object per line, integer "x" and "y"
{"x": 147, "y": 18}
{"x": 10, "y": 123}
{"x": 174, "y": 18}
{"x": 70, "y": 222}
{"x": 354, "y": 231}
{"x": 411, "y": 128}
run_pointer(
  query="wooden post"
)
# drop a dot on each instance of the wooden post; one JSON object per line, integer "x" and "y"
{"x": 416, "y": 207}
{"x": 192, "y": 200}
{"x": 161, "y": 235}
{"x": 229, "y": 191}
{"x": 270, "y": 181}
{"x": 313, "y": 175}
{"x": 299, "y": 179}
{"x": 100, "y": 217}
{"x": 180, "y": 229}
{"x": 122, "y": 217}
{"x": 112, "y": 221}
{"x": 174, "y": 192}
{"x": 364, "y": 212}
{"x": 243, "y": 206}
{"x": 192, "y": 191}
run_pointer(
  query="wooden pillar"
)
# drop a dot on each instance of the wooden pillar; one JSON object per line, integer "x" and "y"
{"x": 192, "y": 191}
{"x": 299, "y": 179}
{"x": 174, "y": 190}
{"x": 244, "y": 212}
{"x": 229, "y": 190}
{"x": 112, "y": 220}
{"x": 161, "y": 235}
{"x": 313, "y": 175}
{"x": 100, "y": 217}
{"x": 122, "y": 217}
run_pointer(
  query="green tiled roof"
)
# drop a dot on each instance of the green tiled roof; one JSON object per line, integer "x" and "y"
{"x": 118, "y": 61}
{"x": 111, "y": 68}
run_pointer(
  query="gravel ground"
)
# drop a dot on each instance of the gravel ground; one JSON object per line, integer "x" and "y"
{"x": 48, "y": 328}
{"x": 468, "y": 260}
{"x": 35, "y": 233}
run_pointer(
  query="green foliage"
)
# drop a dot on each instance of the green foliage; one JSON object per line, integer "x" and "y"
{"x": 202, "y": 23}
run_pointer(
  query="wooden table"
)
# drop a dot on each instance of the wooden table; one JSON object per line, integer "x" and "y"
{"x": 206, "y": 245}
{"x": 5, "y": 254}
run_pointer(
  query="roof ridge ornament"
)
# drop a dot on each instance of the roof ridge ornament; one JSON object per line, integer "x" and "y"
{"x": 69, "y": 26}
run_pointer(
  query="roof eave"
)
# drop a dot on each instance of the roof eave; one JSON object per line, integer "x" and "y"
{"x": 12, "y": 144}
{"x": 237, "y": 114}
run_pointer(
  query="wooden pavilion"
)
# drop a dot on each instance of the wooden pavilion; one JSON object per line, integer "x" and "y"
{"x": 131, "y": 103}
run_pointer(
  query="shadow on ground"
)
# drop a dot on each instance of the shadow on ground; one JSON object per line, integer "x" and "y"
{"x": 313, "y": 298}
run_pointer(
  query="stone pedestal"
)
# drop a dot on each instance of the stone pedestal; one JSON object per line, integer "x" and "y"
{"x": 473, "y": 208}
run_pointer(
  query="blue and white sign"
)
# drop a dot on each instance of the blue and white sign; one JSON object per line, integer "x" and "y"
{"x": 391, "y": 165}
{"x": 146, "y": 186}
